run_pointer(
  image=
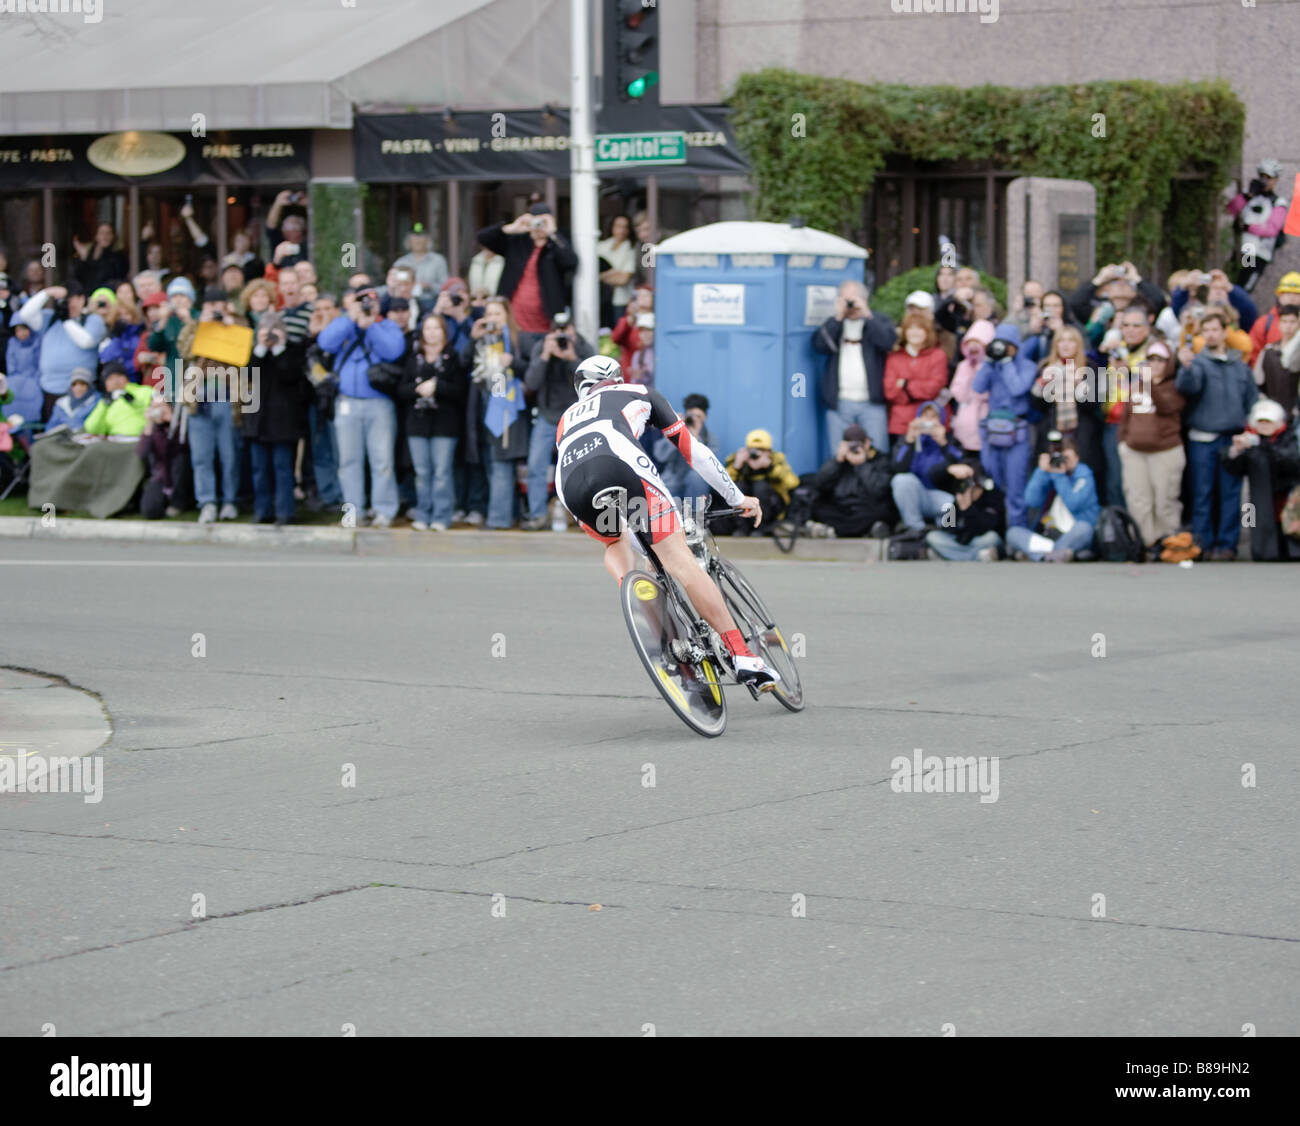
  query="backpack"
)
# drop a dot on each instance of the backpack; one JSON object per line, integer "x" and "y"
{"x": 908, "y": 545}
{"x": 1118, "y": 538}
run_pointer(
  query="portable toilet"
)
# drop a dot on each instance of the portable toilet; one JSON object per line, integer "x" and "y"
{"x": 736, "y": 307}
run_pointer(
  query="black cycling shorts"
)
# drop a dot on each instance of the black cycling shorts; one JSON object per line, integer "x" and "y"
{"x": 649, "y": 505}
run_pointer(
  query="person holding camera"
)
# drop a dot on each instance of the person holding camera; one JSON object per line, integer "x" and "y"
{"x": 1027, "y": 310}
{"x": 1277, "y": 371}
{"x": 433, "y": 391}
{"x": 1151, "y": 448}
{"x": 497, "y": 418}
{"x": 166, "y": 461}
{"x": 1259, "y": 213}
{"x": 762, "y": 472}
{"x": 1005, "y": 446}
{"x": 956, "y": 312}
{"x": 365, "y": 420}
{"x": 1098, "y": 299}
{"x": 275, "y": 424}
{"x": 1267, "y": 455}
{"x": 975, "y": 524}
{"x": 1064, "y": 492}
{"x": 539, "y": 266}
{"x": 850, "y": 494}
{"x": 69, "y": 337}
{"x": 924, "y": 445}
{"x": 549, "y": 380}
{"x": 286, "y": 228}
{"x": 855, "y": 342}
{"x": 1220, "y": 390}
{"x": 120, "y": 413}
{"x": 453, "y": 306}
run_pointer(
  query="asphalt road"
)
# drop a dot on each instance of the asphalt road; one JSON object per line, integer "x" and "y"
{"x": 499, "y": 726}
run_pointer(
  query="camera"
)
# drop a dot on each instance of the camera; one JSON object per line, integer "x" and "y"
{"x": 1031, "y": 302}
{"x": 60, "y": 309}
{"x": 1055, "y": 450}
{"x": 368, "y": 304}
{"x": 997, "y": 350}
{"x": 856, "y": 447}
{"x": 457, "y": 299}
{"x": 561, "y": 321}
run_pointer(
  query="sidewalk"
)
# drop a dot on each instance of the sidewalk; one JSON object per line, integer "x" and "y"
{"x": 397, "y": 541}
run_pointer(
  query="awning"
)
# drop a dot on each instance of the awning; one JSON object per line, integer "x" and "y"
{"x": 292, "y": 64}
{"x": 520, "y": 145}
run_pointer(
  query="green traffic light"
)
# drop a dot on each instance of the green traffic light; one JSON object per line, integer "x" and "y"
{"x": 638, "y": 86}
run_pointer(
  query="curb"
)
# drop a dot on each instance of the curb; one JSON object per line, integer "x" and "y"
{"x": 398, "y": 541}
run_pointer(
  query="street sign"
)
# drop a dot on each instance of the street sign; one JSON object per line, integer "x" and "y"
{"x": 621, "y": 150}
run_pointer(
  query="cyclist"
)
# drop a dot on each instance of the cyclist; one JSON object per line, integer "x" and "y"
{"x": 599, "y": 447}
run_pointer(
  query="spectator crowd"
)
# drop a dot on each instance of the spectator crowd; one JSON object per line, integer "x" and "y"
{"x": 1122, "y": 419}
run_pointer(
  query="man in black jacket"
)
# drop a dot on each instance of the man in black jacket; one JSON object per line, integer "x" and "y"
{"x": 539, "y": 266}
{"x": 972, "y": 527}
{"x": 855, "y": 342}
{"x": 850, "y": 493}
{"x": 549, "y": 379}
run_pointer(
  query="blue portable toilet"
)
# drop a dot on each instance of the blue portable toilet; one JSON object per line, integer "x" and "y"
{"x": 736, "y": 306}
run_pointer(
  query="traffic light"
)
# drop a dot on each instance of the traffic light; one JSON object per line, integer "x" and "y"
{"x": 632, "y": 53}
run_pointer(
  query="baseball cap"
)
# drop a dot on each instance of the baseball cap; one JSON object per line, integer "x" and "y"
{"x": 153, "y": 299}
{"x": 1290, "y": 283}
{"x": 1269, "y": 167}
{"x": 1160, "y": 348}
{"x": 758, "y": 440}
{"x": 920, "y": 299}
{"x": 1266, "y": 410}
{"x": 854, "y": 433}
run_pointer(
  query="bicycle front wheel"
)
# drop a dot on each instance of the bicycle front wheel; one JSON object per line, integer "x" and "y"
{"x": 760, "y": 632}
{"x": 691, "y": 690}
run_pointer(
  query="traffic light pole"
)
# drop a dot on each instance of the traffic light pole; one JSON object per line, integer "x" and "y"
{"x": 583, "y": 182}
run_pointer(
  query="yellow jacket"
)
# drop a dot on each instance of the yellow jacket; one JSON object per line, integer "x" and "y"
{"x": 779, "y": 475}
{"x": 123, "y": 416}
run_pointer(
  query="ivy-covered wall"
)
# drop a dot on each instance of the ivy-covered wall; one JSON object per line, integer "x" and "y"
{"x": 816, "y": 144}
{"x": 334, "y": 248}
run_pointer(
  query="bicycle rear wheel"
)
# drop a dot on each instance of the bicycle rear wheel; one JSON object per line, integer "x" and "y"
{"x": 760, "y": 632}
{"x": 691, "y": 690}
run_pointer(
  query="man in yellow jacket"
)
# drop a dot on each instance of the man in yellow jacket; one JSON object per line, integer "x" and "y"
{"x": 120, "y": 413}
{"x": 762, "y": 472}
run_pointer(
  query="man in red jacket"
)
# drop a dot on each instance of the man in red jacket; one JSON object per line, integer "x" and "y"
{"x": 1266, "y": 329}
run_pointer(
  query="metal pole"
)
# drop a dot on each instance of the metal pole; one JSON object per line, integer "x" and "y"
{"x": 583, "y": 184}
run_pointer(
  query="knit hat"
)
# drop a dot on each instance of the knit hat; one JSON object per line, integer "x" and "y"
{"x": 103, "y": 293}
{"x": 181, "y": 286}
{"x": 81, "y": 375}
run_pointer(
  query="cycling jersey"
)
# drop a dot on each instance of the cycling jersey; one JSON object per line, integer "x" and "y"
{"x": 598, "y": 447}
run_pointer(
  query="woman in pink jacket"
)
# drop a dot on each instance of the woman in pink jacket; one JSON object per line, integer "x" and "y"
{"x": 972, "y": 406}
{"x": 915, "y": 372}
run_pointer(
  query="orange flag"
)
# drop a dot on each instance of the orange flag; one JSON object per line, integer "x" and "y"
{"x": 1292, "y": 227}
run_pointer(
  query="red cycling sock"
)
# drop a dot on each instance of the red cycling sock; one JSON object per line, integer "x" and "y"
{"x": 736, "y": 644}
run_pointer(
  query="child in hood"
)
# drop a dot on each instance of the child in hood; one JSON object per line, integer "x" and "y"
{"x": 22, "y": 366}
{"x": 972, "y": 405}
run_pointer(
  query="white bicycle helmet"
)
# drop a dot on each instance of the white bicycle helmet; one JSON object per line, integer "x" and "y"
{"x": 594, "y": 370}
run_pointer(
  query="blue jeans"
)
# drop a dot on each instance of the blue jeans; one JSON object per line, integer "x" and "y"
{"x": 1207, "y": 473}
{"x": 367, "y": 428}
{"x": 212, "y": 435}
{"x": 502, "y": 488}
{"x": 1009, "y": 468}
{"x": 872, "y": 417}
{"x": 272, "y": 479}
{"x": 434, "y": 490}
{"x": 1078, "y": 538}
{"x": 541, "y": 452}
{"x": 945, "y": 545}
{"x": 324, "y": 458}
{"x": 1114, "y": 467}
{"x": 916, "y": 501}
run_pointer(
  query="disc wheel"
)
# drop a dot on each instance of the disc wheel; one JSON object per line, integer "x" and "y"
{"x": 692, "y": 691}
{"x": 761, "y": 633}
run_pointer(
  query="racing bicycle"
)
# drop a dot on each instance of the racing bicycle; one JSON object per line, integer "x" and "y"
{"x": 684, "y": 655}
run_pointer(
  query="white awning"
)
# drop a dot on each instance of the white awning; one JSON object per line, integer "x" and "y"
{"x": 250, "y": 64}
{"x": 758, "y": 238}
